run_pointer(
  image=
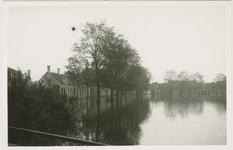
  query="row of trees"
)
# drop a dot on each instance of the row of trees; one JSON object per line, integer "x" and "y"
{"x": 104, "y": 58}
{"x": 185, "y": 76}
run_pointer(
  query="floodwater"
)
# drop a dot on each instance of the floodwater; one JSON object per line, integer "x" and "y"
{"x": 182, "y": 123}
{"x": 151, "y": 121}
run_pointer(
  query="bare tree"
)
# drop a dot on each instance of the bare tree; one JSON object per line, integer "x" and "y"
{"x": 197, "y": 77}
{"x": 183, "y": 76}
{"x": 170, "y": 75}
{"x": 220, "y": 77}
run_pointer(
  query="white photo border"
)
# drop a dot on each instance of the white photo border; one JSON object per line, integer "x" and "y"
{"x": 4, "y": 57}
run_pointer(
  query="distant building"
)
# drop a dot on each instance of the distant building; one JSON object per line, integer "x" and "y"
{"x": 13, "y": 74}
{"x": 184, "y": 89}
{"x": 175, "y": 89}
{"x": 215, "y": 89}
{"x": 187, "y": 89}
{"x": 155, "y": 90}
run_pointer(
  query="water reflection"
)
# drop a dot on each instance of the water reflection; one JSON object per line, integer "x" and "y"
{"x": 190, "y": 104}
{"x": 220, "y": 106}
{"x": 200, "y": 121}
{"x": 118, "y": 124}
{"x": 123, "y": 122}
{"x": 183, "y": 108}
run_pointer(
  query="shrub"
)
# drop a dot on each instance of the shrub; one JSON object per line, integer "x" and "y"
{"x": 33, "y": 106}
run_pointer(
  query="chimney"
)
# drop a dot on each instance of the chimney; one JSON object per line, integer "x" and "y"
{"x": 29, "y": 73}
{"x": 48, "y": 68}
{"x": 58, "y": 70}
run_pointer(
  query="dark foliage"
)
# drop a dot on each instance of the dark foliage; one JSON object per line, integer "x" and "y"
{"x": 32, "y": 106}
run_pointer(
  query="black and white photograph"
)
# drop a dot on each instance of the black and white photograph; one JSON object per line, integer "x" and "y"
{"x": 113, "y": 73}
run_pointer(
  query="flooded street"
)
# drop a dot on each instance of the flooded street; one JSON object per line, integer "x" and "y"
{"x": 180, "y": 123}
{"x": 153, "y": 122}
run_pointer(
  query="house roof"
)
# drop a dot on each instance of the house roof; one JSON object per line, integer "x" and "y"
{"x": 10, "y": 69}
{"x": 61, "y": 78}
{"x": 58, "y": 78}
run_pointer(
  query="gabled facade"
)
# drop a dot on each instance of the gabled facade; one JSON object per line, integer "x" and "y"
{"x": 61, "y": 83}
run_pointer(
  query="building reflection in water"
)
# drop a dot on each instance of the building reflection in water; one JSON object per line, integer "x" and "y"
{"x": 190, "y": 102}
{"x": 120, "y": 123}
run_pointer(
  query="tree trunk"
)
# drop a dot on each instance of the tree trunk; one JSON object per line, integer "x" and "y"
{"x": 87, "y": 97}
{"x": 106, "y": 99}
{"x": 117, "y": 98}
{"x": 121, "y": 99}
{"x": 74, "y": 90}
{"x": 98, "y": 100}
{"x": 98, "y": 86}
{"x": 111, "y": 100}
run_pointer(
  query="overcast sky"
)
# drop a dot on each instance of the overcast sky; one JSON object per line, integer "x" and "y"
{"x": 183, "y": 38}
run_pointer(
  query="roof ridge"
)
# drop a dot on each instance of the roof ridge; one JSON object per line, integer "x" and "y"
{"x": 58, "y": 78}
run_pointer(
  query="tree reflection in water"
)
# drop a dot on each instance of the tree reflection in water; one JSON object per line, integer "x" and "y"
{"x": 117, "y": 125}
{"x": 184, "y": 107}
{"x": 120, "y": 123}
